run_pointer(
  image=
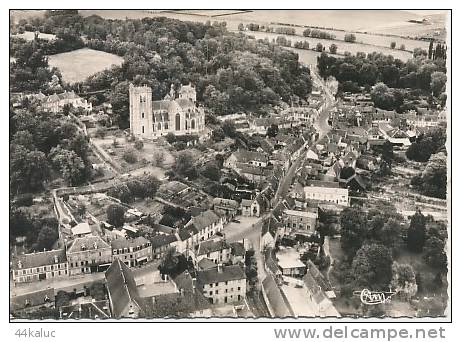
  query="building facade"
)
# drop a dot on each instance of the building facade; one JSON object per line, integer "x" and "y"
{"x": 39, "y": 266}
{"x": 88, "y": 255}
{"x": 223, "y": 284}
{"x": 133, "y": 252}
{"x": 177, "y": 113}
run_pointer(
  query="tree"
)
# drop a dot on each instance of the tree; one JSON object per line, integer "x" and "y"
{"x": 353, "y": 230}
{"x": 434, "y": 176}
{"x": 307, "y": 32}
{"x": 212, "y": 172}
{"x": 438, "y": 82}
{"x": 402, "y": 47}
{"x": 393, "y": 45}
{"x": 333, "y": 48}
{"x": 350, "y": 38}
{"x": 184, "y": 164}
{"x": 81, "y": 210}
{"x": 70, "y": 164}
{"x": 272, "y": 131}
{"x": 241, "y": 27}
{"x": 404, "y": 280}
{"x": 434, "y": 254}
{"x": 139, "y": 145}
{"x": 130, "y": 156}
{"x": 431, "y": 46}
{"x": 28, "y": 169}
{"x": 372, "y": 267}
{"x": 416, "y": 235}
{"x": 319, "y": 47}
{"x": 169, "y": 263}
{"x": 158, "y": 158}
{"x": 228, "y": 128}
{"x": 391, "y": 234}
{"x": 115, "y": 215}
{"x": 151, "y": 184}
{"x": 46, "y": 238}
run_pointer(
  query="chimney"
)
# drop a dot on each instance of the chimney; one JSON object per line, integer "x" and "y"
{"x": 56, "y": 259}
{"x": 194, "y": 283}
{"x": 220, "y": 268}
{"x": 19, "y": 264}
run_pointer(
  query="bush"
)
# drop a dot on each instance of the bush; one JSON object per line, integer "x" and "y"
{"x": 350, "y": 38}
{"x": 139, "y": 145}
{"x": 130, "y": 156}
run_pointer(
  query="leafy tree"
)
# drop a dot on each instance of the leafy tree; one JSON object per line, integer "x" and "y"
{"x": 115, "y": 215}
{"x": 212, "y": 172}
{"x": 438, "y": 82}
{"x": 416, "y": 235}
{"x": 70, "y": 165}
{"x": 393, "y": 45}
{"x": 272, "y": 131}
{"x": 130, "y": 156}
{"x": 139, "y": 145}
{"x": 404, "y": 280}
{"x": 28, "y": 169}
{"x": 319, "y": 47}
{"x": 158, "y": 158}
{"x": 353, "y": 230}
{"x": 228, "y": 128}
{"x": 372, "y": 267}
{"x": 184, "y": 164}
{"x": 402, "y": 47}
{"x": 434, "y": 253}
{"x": 46, "y": 238}
{"x": 151, "y": 184}
{"x": 350, "y": 38}
{"x": 333, "y": 48}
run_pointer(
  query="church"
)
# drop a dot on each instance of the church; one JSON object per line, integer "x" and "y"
{"x": 177, "y": 113}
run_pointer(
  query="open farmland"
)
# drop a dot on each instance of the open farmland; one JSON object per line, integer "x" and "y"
{"x": 77, "y": 65}
{"x": 342, "y": 46}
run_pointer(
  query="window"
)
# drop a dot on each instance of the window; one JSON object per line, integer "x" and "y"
{"x": 238, "y": 288}
{"x": 143, "y": 129}
{"x": 211, "y": 293}
{"x": 217, "y": 284}
{"x": 216, "y": 292}
{"x": 142, "y": 115}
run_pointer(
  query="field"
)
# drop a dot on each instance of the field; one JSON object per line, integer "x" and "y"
{"x": 77, "y": 65}
{"x": 342, "y": 46}
{"x": 31, "y": 36}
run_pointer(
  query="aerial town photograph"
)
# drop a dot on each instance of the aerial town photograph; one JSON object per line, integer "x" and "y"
{"x": 229, "y": 164}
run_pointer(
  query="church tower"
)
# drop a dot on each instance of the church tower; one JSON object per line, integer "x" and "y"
{"x": 141, "y": 111}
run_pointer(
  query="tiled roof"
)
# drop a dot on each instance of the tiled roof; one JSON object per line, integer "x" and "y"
{"x": 179, "y": 304}
{"x": 205, "y": 219}
{"x": 87, "y": 242}
{"x": 206, "y": 264}
{"x": 32, "y": 299}
{"x": 227, "y": 273}
{"x": 237, "y": 249}
{"x": 210, "y": 246}
{"x": 276, "y": 300}
{"x": 39, "y": 259}
{"x": 224, "y": 202}
{"x": 127, "y": 243}
{"x": 186, "y": 232}
{"x": 121, "y": 287}
{"x": 163, "y": 240}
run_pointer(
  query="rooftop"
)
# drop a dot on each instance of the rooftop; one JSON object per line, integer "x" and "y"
{"x": 39, "y": 259}
{"x": 227, "y": 273}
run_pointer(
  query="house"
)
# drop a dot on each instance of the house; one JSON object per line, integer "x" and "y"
{"x": 187, "y": 301}
{"x": 269, "y": 233}
{"x": 237, "y": 252}
{"x": 289, "y": 262}
{"x": 275, "y": 301}
{"x": 225, "y": 207}
{"x": 326, "y": 192}
{"x": 162, "y": 243}
{"x": 124, "y": 298}
{"x": 91, "y": 309}
{"x": 133, "y": 252}
{"x": 56, "y": 102}
{"x": 32, "y": 301}
{"x": 223, "y": 284}
{"x": 303, "y": 220}
{"x": 199, "y": 228}
{"x": 218, "y": 251}
{"x": 81, "y": 230}
{"x": 354, "y": 182}
{"x": 88, "y": 254}
{"x": 316, "y": 294}
{"x": 246, "y": 157}
{"x": 368, "y": 163}
{"x": 39, "y": 266}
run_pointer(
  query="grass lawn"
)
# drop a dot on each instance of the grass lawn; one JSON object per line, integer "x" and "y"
{"x": 77, "y": 65}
